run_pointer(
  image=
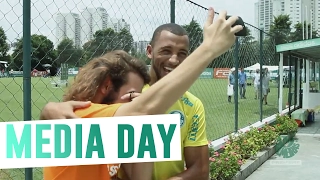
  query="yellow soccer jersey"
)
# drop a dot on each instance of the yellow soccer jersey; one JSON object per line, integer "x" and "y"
{"x": 193, "y": 133}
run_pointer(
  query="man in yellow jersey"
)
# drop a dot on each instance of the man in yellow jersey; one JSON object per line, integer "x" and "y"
{"x": 168, "y": 49}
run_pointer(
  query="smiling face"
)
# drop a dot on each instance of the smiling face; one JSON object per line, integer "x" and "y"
{"x": 169, "y": 50}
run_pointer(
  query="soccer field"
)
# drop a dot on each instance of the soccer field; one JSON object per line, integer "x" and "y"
{"x": 220, "y": 115}
{"x": 212, "y": 92}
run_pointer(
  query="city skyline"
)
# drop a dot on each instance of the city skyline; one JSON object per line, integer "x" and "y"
{"x": 80, "y": 28}
{"x": 298, "y": 11}
{"x": 143, "y": 16}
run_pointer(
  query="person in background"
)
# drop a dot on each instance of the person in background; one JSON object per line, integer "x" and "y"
{"x": 11, "y": 73}
{"x": 265, "y": 85}
{"x": 168, "y": 51}
{"x": 256, "y": 84}
{"x": 231, "y": 81}
{"x": 242, "y": 83}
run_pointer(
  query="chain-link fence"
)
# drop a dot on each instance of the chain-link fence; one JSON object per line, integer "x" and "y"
{"x": 67, "y": 34}
{"x": 253, "y": 98}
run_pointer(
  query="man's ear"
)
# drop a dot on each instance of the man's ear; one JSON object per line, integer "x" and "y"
{"x": 149, "y": 51}
{"x": 106, "y": 86}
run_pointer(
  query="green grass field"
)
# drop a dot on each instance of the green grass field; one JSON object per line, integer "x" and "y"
{"x": 213, "y": 93}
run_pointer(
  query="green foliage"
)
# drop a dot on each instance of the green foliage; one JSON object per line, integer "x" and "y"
{"x": 269, "y": 135}
{"x": 285, "y": 125}
{"x": 4, "y": 49}
{"x": 42, "y": 51}
{"x": 239, "y": 147}
{"x": 224, "y": 165}
{"x": 244, "y": 144}
{"x": 297, "y": 35}
{"x": 4, "y": 46}
{"x": 142, "y": 57}
{"x": 68, "y": 53}
{"x": 280, "y": 29}
{"x": 283, "y": 33}
{"x": 107, "y": 40}
{"x": 194, "y": 33}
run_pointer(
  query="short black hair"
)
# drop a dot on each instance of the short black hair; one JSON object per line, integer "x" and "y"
{"x": 171, "y": 27}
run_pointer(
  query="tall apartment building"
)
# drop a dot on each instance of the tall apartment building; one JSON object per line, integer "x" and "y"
{"x": 68, "y": 26}
{"x": 81, "y": 28}
{"x": 298, "y": 11}
{"x": 263, "y": 14}
{"x": 141, "y": 46}
{"x": 316, "y": 14}
{"x": 278, "y": 7}
{"x": 92, "y": 20}
{"x": 118, "y": 24}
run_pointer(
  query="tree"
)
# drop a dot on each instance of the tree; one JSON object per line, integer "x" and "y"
{"x": 107, "y": 40}
{"x": 280, "y": 29}
{"x": 297, "y": 35}
{"x": 247, "y": 53}
{"x": 67, "y": 53}
{"x": 194, "y": 31}
{"x": 42, "y": 52}
{"x": 4, "y": 46}
{"x": 125, "y": 40}
{"x": 269, "y": 49}
{"x": 248, "y": 48}
{"x": 143, "y": 57}
{"x": 226, "y": 60}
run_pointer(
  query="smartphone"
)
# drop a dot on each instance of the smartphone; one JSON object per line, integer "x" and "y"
{"x": 243, "y": 32}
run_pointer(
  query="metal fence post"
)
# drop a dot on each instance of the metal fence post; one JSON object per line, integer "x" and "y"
{"x": 290, "y": 82}
{"x": 27, "y": 70}
{"x": 261, "y": 63}
{"x": 236, "y": 85}
{"x": 173, "y": 11}
{"x": 319, "y": 75}
{"x": 295, "y": 82}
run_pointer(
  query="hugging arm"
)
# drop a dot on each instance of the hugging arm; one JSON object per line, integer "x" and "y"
{"x": 63, "y": 110}
{"x": 219, "y": 34}
{"x": 196, "y": 150}
{"x": 131, "y": 170}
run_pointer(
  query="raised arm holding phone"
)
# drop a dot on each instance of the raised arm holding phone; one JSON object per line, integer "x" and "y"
{"x": 218, "y": 37}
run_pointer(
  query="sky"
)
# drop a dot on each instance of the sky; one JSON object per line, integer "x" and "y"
{"x": 142, "y": 15}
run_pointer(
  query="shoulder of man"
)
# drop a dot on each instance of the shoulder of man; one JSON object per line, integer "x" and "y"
{"x": 192, "y": 98}
{"x": 188, "y": 100}
{"x": 97, "y": 110}
{"x": 145, "y": 87}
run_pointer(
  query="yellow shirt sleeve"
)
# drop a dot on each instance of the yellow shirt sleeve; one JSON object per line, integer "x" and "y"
{"x": 197, "y": 135}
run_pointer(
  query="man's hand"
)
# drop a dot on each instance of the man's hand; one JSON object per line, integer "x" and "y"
{"x": 219, "y": 33}
{"x": 197, "y": 162}
{"x": 130, "y": 96}
{"x": 62, "y": 110}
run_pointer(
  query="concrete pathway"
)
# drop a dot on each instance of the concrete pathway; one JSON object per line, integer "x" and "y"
{"x": 298, "y": 160}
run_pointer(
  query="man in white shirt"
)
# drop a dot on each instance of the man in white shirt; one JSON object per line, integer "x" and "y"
{"x": 265, "y": 85}
{"x": 256, "y": 83}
